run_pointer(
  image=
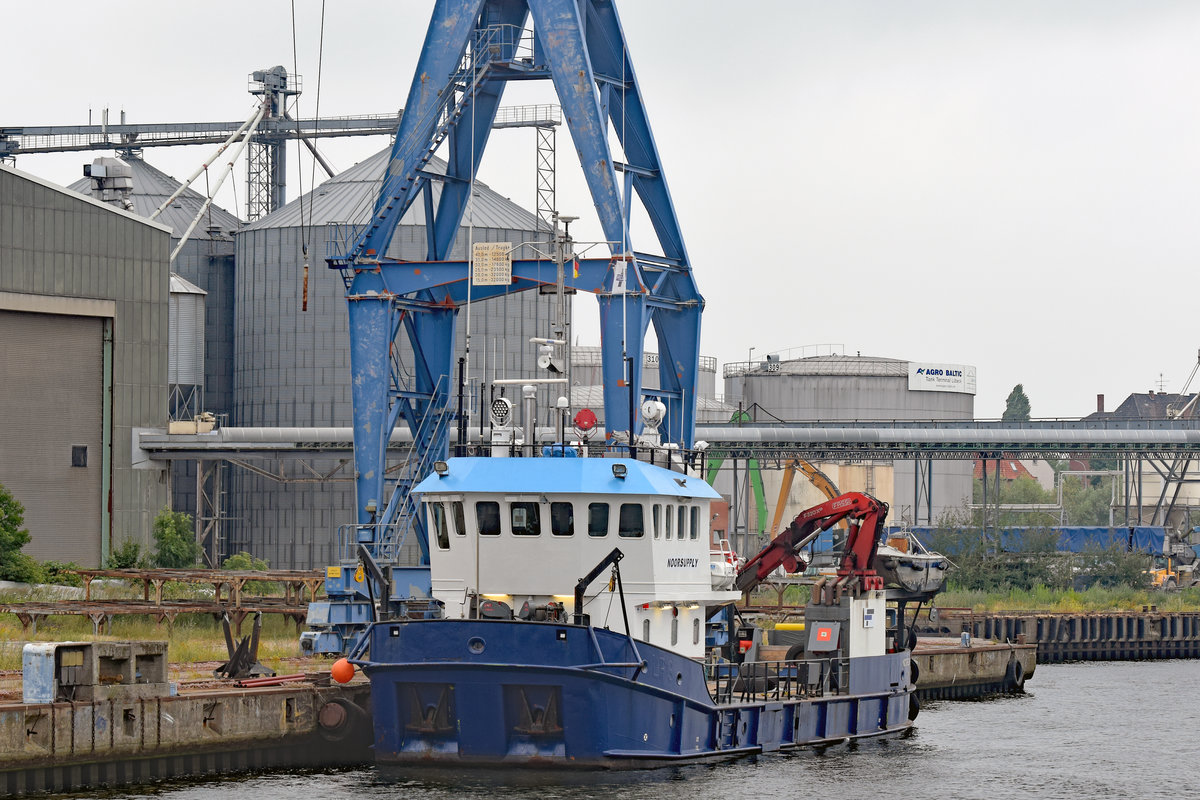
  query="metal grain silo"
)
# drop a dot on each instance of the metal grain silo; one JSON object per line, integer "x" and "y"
{"x": 185, "y": 352}
{"x": 205, "y": 261}
{"x": 292, "y": 366}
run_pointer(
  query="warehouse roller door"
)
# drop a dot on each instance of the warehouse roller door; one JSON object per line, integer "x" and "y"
{"x": 51, "y": 430}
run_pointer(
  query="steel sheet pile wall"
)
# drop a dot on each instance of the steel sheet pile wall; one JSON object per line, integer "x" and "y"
{"x": 292, "y": 366}
{"x": 1086, "y": 637}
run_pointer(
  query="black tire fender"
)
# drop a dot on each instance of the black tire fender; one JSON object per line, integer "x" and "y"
{"x": 339, "y": 719}
{"x": 794, "y": 653}
{"x": 914, "y": 706}
{"x": 1014, "y": 676}
{"x": 914, "y": 671}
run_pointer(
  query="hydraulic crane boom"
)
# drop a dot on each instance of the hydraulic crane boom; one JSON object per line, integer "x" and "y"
{"x": 866, "y": 516}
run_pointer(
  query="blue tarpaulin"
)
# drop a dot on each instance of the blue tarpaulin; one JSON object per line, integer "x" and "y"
{"x": 1074, "y": 539}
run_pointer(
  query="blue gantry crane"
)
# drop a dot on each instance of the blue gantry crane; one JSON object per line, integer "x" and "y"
{"x": 472, "y": 49}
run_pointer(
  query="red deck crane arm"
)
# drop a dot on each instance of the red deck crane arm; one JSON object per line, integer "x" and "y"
{"x": 867, "y": 516}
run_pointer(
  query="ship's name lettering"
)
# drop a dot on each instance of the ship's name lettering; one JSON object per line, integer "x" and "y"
{"x": 683, "y": 562}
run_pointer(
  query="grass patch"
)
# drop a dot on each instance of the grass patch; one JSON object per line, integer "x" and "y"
{"x": 193, "y": 637}
{"x": 1038, "y": 598}
{"x": 1095, "y": 598}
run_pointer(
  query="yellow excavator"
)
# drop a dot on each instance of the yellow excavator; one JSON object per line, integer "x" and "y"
{"x": 815, "y": 476}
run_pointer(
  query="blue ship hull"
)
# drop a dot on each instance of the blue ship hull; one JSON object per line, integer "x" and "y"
{"x": 451, "y": 693}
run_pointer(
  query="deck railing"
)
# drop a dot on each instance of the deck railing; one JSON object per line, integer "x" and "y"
{"x": 760, "y": 681}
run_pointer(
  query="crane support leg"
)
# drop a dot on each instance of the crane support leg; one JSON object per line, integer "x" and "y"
{"x": 678, "y": 332}
{"x": 620, "y": 314}
{"x": 371, "y": 329}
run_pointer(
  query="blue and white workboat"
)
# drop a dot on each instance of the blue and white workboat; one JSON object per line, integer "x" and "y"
{"x": 577, "y": 596}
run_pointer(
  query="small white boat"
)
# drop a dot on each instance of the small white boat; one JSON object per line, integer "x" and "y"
{"x": 723, "y": 564}
{"x": 907, "y": 565}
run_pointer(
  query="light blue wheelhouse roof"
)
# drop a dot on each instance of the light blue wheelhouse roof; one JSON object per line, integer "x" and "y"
{"x": 562, "y": 476}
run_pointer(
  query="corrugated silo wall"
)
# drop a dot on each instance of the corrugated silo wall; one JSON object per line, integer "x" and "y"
{"x": 870, "y": 398}
{"x": 292, "y": 368}
{"x": 208, "y": 263}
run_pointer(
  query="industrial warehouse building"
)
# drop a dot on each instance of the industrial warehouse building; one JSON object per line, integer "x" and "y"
{"x": 83, "y": 355}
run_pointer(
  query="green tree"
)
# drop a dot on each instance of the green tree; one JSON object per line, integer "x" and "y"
{"x": 1110, "y": 567}
{"x": 244, "y": 561}
{"x": 60, "y": 572}
{"x": 15, "y": 565}
{"x": 127, "y": 555}
{"x": 176, "y": 543}
{"x": 1024, "y": 490}
{"x": 1085, "y": 503}
{"x": 1016, "y": 407}
{"x": 1103, "y": 462}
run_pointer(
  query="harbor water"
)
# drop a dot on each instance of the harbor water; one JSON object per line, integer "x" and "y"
{"x": 1091, "y": 730}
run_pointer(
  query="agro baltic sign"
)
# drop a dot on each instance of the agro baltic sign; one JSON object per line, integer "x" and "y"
{"x": 941, "y": 378}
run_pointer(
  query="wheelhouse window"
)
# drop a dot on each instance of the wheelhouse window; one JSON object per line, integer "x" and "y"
{"x": 439, "y": 525}
{"x": 695, "y": 511}
{"x": 487, "y": 516}
{"x": 597, "y": 519}
{"x": 682, "y": 523}
{"x": 460, "y": 521}
{"x": 562, "y": 519}
{"x": 525, "y": 518}
{"x": 630, "y": 524}
{"x": 656, "y": 514}
{"x": 670, "y": 523}
{"x": 696, "y": 631}
{"x": 645, "y": 630}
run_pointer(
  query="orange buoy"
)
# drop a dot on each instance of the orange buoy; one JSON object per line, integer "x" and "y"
{"x": 342, "y": 671}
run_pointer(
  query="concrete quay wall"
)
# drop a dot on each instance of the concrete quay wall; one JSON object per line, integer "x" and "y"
{"x": 65, "y": 746}
{"x": 947, "y": 670}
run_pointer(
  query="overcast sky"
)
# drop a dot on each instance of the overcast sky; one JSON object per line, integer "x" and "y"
{"x": 1010, "y": 185}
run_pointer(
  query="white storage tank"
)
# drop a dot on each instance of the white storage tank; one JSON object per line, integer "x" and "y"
{"x": 837, "y": 387}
